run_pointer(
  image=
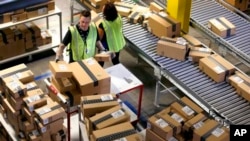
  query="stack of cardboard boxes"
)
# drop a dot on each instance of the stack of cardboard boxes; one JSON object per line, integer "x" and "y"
{"x": 105, "y": 118}
{"x": 30, "y": 111}
{"x": 27, "y": 12}
{"x": 21, "y": 38}
{"x": 184, "y": 120}
{"x": 78, "y": 79}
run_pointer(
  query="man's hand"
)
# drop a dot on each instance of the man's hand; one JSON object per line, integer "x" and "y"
{"x": 57, "y": 59}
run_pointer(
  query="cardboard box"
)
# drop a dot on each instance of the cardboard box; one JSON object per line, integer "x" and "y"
{"x": 96, "y": 18}
{"x": 20, "y": 72}
{"x": 16, "y": 88}
{"x": 35, "y": 101}
{"x": 219, "y": 134}
{"x": 105, "y": 56}
{"x": 133, "y": 137}
{"x": 107, "y": 118}
{"x": 31, "y": 85}
{"x": 155, "y": 7}
{"x": 151, "y": 136}
{"x": 25, "y": 125}
{"x": 34, "y": 136}
{"x": 60, "y": 69}
{"x": 222, "y": 27}
{"x": 51, "y": 128}
{"x": 123, "y": 8}
{"x": 239, "y": 4}
{"x": 40, "y": 9}
{"x": 97, "y": 103}
{"x": 135, "y": 17}
{"x": 50, "y": 113}
{"x": 191, "y": 104}
{"x": 196, "y": 53}
{"x": 192, "y": 40}
{"x": 5, "y": 17}
{"x": 97, "y": 8}
{"x": 63, "y": 84}
{"x": 161, "y": 126}
{"x": 238, "y": 78}
{"x": 90, "y": 77}
{"x": 216, "y": 67}
{"x": 109, "y": 133}
{"x": 60, "y": 135}
{"x": 46, "y": 37}
{"x": 244, "y": 90}
{"x": 16, "y": 103}
{"x": 192, "y": 124}
{"x": 28, "y": 115}
{"x": 168, "y": 48}
{"x": 35, "y": 91}
{"x": 19, "y": 17}
{"x": 163, "y": 25}
{"x": 204, "y": 129}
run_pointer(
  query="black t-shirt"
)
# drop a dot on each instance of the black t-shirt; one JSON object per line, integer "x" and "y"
{"x": 84, "y": 34}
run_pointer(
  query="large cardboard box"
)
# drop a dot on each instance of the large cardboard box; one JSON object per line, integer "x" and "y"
{"x": 90, "y": 77}
{"x": 50, "y": 128}
{"x": 19, "y": 17}
{"x": 151, "y": 136}
{"x": 16, "y": 103}
{"x": 222, "y": 27}
{"x": 173, "y": 49}
{"x": 108, "y": 118}
{"x": 196, "y": 53}
{"x": 50, "y": 113}
{"x": 5, "y": 17}
{"x": 110, "y": 133}
{"x": 216, "y": 67}
{"x": 20, "y": 72}
{"x": 92, "y": 105}
{"x": 164, "y": 25}
{"x": 60, "y": 69}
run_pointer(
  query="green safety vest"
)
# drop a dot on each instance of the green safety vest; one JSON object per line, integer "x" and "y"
{"x": 114, "y": 35}
{"x": 79, "y": 50}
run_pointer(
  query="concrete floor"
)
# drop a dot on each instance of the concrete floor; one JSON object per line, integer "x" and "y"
{"x": 144, "y": 72}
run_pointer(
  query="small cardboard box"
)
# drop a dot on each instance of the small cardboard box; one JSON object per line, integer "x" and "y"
{"x": 151, "y": 136}
{"x": 50, "y": 113}
{"x": 46, "y": 37}
{"x": 135, "y": 17}
{"x": 244, "y": 90}
{"x": 171, "y": 49}
{"x": 196, "y": 53}
{"x": 105, "y": 56}
{"x": 97, "y": 103}
{"x": 5, "y": 17}
{"x": 90, "y": 77}
{"x": 222, "y": 27}
{"x": 60, "y": 69}
{"x": 194, "y": 123}
{"x": 219, "y": 134}
{"x": 16, "y": 88}
{"x": 110, "y": 117}
{"x": 16, "y": 103}
{"x": 108, "y": 133}
{"x": 35, "y": 101}
{"x": 40, "y": 9}
{"x": 124, "y": 9}
{"x": 161, "y": 126}
{"x": 20, "y": 72}
{"x": 133, "y": 137}
{"x": 155, "y": 7}
{"x": 34, "y": 136}
{"x": 19, "y": 17}
{"x": 192, "y": 40}
{"x": 50, "y": 128}
{"x": 239, "y": 4}
{"x": 191, "y": 104}
{"x": 64, "y": 84}
{"x": 163, "y": 25}
{"x": 97, "y": 8}
{"x": 207, "y": 126}
{"x": 216, "y": 67}
{"x": 238, "y": 78}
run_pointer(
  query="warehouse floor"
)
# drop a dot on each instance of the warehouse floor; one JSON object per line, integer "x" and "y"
{"x": 143, "y": 71}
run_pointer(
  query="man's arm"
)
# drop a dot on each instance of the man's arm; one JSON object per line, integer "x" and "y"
{"x": 59, "y": 51}
{"x": 100, "y": 46}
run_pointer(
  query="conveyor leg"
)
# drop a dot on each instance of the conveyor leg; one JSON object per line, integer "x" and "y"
{"x": 157, "y": 92}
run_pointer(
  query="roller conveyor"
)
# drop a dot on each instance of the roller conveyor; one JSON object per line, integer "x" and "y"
{"x": 221, "y": 96}
{"x": 239, "y": 43}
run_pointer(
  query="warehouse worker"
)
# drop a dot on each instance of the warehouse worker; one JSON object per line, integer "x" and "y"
{"x": 110, "y": 32}
{"x": 81, "y": 39}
